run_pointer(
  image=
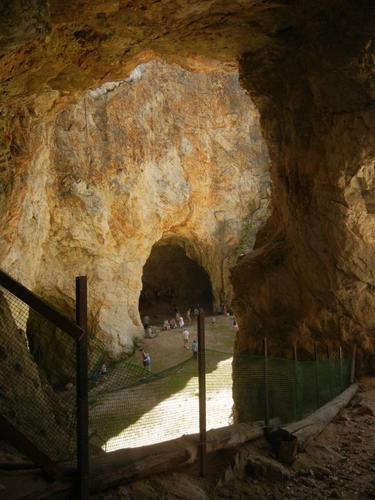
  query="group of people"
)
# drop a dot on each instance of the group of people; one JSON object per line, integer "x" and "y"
{"x": 178, "y": 322}
{"x": 194, "y": 344}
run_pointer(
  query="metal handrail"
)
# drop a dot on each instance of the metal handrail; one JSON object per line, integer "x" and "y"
{"x": 41, "y": 306}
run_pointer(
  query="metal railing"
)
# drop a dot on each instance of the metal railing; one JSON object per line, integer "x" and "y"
{"x": 41, "y": 414}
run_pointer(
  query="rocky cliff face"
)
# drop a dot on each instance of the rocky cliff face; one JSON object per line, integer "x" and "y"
{"x": 311, "y": 277}
{"x": 310, "y": 69}
{"x": 164, "y": 154}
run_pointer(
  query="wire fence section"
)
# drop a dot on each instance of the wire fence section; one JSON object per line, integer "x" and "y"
{"x": 37, "y": 378}
{"x": 132, "y": 407}
{"x": 283, "y": 390}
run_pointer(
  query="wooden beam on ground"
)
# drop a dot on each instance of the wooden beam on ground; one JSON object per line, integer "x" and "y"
{"x": 307, "y": 429}
{"x": 124, "y": 466}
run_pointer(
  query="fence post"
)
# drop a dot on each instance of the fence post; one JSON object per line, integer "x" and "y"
{"x": 202, "y": 395}
{"x": 340, "y": 357}
{"x": 329, "y": 372}
{"x": 317, "y": 375}
{"x": 82, "y": 390}
{"x": 352, "y": 372}
{"x": 266, "y": 395}
{"x": 295, "y": 402}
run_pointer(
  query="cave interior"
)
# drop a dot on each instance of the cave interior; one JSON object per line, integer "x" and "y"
{"x": 172, "y": 280}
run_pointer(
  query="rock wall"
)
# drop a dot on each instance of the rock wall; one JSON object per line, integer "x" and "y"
{"x": 163, "y": 154}
{"x": 311, "y": 276}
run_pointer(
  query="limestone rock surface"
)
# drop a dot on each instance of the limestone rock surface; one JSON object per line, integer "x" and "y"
{"x": 166, "y": 154}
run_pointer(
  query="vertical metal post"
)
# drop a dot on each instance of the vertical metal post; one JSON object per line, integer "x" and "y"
{"x": 295, "y": 399}
{"x": 266, "y": 394}
{"x": 202, "y": 396}
{"x": 340, "y": 357}
{"x": 352, "y": 372}
{"x": 82, "y": 390}
{"x": 330, "y": 373}
{"x": 317, "y": 388}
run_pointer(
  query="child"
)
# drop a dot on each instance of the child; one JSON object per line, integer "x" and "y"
{"x": 194, "y": 348}
{"x": 146, "y": 358}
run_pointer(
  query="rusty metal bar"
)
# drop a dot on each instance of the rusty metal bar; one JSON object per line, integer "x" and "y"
{"x": 317, "y": 388}
{"x": 329, "y": 371}
{"x": 340, "y": 359}
{"x": 40, "y": 306}
{"x": 82, "y": 390}
{"x": 202, "y": 396}
{"x": 352, "y": 372}
{"x": 266, "y": 385}
{"x": 296, "y": 393}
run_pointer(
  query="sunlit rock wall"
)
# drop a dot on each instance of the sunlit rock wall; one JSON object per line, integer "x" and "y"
{"x": 166, "y": 153}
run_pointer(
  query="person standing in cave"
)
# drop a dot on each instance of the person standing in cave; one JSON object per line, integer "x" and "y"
{"x": 146, "y": 359}
{"x": 146, "y": 322}
{"x": 181, "y": 321}
{"x": 194, "y": 348}
{"x": 186, "y": 335}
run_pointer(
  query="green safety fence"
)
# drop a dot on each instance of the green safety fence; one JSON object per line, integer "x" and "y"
{"x": 132, "y": 407}
{"x": 293, "y": 389}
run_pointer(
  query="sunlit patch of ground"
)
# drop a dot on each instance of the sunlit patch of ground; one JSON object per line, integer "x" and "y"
{"x": 165, "y": 406}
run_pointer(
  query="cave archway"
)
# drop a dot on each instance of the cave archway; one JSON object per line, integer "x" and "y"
{"x": 172, "y": 280}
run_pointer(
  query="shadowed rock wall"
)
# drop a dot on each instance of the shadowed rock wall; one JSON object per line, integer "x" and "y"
{"x": 311, "y": 276}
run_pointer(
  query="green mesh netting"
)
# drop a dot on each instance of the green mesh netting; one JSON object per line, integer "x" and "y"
{"x": 132, "y": 407}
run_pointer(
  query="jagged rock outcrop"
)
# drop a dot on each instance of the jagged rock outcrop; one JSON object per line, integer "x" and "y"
{"x": 311, "y": 276}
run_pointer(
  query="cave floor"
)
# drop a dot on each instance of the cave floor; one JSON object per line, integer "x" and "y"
{"x": 167, "y": 348}
{"x": 340, "y": 463}
{"x": 124, "y": 415}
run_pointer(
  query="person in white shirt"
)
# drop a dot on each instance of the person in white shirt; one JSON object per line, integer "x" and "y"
{"x": 185, "y": 335}
{"x": 181, "y": 322}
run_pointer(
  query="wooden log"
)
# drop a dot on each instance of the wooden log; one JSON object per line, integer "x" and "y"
{"x": 307, "y": 429}
{"x": 124, "y": 466}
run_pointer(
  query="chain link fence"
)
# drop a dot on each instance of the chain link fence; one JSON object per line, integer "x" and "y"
{"x": 132, "y": 407}
{"x": 293, "y": 389}
{"x": 40, "y": 403}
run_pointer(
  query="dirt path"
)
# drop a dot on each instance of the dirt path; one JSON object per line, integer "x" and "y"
{"x": 340, "y": 463}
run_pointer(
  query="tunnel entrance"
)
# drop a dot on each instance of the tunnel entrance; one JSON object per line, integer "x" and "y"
{"x": 172, "y": 280}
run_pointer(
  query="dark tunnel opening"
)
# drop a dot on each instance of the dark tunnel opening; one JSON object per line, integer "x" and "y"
{"x": 171, "y": 280}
